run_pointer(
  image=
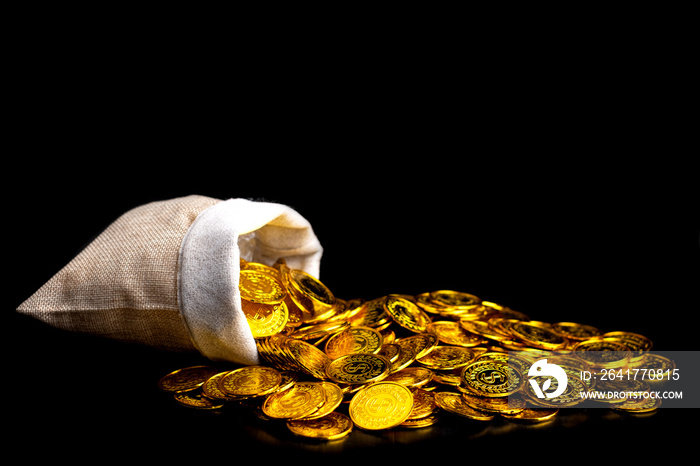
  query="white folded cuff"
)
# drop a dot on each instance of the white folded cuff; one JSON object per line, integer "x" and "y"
{"x": 209, "y": 269}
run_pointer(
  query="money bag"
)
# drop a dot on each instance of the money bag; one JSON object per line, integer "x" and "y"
{"x": 166, "y": 274}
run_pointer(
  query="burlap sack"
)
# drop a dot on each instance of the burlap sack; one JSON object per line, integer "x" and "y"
{"x": 166, "y": 274}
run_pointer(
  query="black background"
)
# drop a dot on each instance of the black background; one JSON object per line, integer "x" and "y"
{"x": 568, "y": 197}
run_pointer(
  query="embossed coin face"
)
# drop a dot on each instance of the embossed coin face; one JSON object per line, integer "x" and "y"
{"x": 358, "y": 368}
{"x": 407, "y": 314}
{"x": 456, "y": 299}
{"x": 186, "y": 379}
{"x": 491, "y": 378}
{"x": 265, "y": 320}
{"x": 259, "y": 287}
{"x": 411, "y": 377}
{"x": 382, "y": 405}
{"x": 251, "y": 381}
{"x": 331, "y": 426}
{"x": 447, "y": 357}
{"x": 302, "y": 400}
{"x": 311, "y": 359}
{"x": 451, "y": 333}
{"x": 311, "y": 287}
{"x": 602, "y": 352}
{"x": 354, "y": 340}
{"x": 539, "y": 335}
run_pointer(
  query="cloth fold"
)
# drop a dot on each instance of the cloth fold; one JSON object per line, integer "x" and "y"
{"x": 165, "y": 274}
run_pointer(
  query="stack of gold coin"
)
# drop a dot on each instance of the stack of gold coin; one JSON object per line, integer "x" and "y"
{"x": 396, "y": 361}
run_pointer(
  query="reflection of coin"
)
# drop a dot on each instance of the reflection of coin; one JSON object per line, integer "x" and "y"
{"x": 302, "y": 400}
{"x": 330, "y": 427}
{"x": 251, "y": 381}
{"x": 533, "y": 415}
{"x": 491, "y": 378}
{"x": 259, "y": 287}
{"x": 186, "y": 379}
{"x": 381, "y": 406}
{"x": 358, "y": 368}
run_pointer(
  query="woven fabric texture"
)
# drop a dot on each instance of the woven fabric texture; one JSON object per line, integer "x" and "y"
{"x": 123, "y": 285}
{"x": 165, "y": 274}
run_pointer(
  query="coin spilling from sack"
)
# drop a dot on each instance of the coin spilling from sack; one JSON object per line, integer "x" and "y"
{"x": 397, "y": 361}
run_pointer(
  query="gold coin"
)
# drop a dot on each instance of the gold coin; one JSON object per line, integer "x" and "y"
{"x": 354, "y": 340}
{"x": 575, "y": 331}
{"x": 196, "y": 399}
{"x": 491, "y": 378}
{"x": 251, "y": 381}
{"x": 451, "y": 333}
{"x": 533, "y": 415}
{"x": 423, "y": 404}
{"x": 411, "y": 377}
{"x": 381, "y": 405}
{"x": 260, "y": 287}
{"x": 358, "y": 368}
{"x": 257, "y": 266}
{"x": 447, "y": 358}
{"x": 571, "y": 397}
{"x": 406, "y": 313}
{"x": 323, "y": 329}
{"x": 639, "y": 345}
{"x": 186, "y": 379}
{"x": 657, "y": 364}
{"x": 643, "y": 405}
{"x": 455, "y": 299}
{"x": 454, "y": 403}
{"x": 310, "y": 359}
{"x": 333, "y": 397}
{"x": 503, "y": 405}
{"x": 372, "y": 314}
{"x": 602, "y": 352}
{"x": 481, "y": 328}
{"x": 421, "y": 343}
{"x": 390, "y": 351}
{"x": 301, "y": 400}
{"x": 539, "y": 335}
{"x": 330, "y": 427}
{"x": 420, "y": 422}
{"x": 308, "y": 292}
{"x": 265, "y": 320}
{"x": 212, "y": 389}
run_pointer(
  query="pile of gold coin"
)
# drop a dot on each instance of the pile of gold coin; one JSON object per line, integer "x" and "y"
{"x": 398, "y": 361}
